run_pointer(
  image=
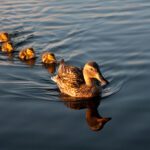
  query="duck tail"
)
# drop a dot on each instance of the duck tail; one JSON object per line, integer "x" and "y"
{"x": 54, "y": 78}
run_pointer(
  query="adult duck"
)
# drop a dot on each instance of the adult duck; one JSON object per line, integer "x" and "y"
{"x": 78, "y": 82}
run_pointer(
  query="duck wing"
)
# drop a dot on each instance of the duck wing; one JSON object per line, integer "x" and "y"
{"x": 70, "y": 75}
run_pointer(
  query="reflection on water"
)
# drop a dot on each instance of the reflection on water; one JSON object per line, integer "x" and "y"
{"x": 95, "y": 121}
{"x": 30, "y": 62}
{"x": 113, "y": 33}
{"x": 8, "y": 56}
{"x": 51, "y": 68}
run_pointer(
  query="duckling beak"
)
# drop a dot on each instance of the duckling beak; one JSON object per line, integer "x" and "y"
{"x": 102, "y": 80}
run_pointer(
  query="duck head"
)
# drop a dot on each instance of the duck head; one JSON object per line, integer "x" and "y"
{"x": 91, "y": 71}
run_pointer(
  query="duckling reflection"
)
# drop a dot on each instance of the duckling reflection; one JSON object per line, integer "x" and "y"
{"x": 95, "y": 121}
{"x": 10, "y": 56}
{"x": 30, "y": 62}
{"x": 51, "y": 68}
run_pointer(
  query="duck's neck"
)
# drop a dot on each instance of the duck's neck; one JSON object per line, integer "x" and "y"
{"x": 88, "y": 80}
{"x": 92, "y": 112}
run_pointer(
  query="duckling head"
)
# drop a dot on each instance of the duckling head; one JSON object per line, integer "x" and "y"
{"x": 4, "y": 37}
{"x": 91, "y": 71}
{"x": 7, "y": 47}
{"x": 48, "y": 58}
{"x": 30, "y": 53}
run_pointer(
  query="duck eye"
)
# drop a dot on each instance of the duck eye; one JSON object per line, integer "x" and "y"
{"x": 91, "y": 69}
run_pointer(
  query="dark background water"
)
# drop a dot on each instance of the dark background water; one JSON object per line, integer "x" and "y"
{"x": 114, "y": 33}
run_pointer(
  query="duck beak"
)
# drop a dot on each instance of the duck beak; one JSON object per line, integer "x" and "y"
{"x": 102, "y": 80}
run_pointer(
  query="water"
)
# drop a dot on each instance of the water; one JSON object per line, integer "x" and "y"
{"x": 115, "y": 34}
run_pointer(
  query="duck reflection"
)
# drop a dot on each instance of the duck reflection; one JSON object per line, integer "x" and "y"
{"x": 51, "y": 68}
{"x": 8, "y": 56}
{"x": 95, "y": 121}
{"x": 30, "y": 62}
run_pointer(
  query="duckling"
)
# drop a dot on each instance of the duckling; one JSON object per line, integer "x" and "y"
{"x": 27, "y": 54}
{"x": 7, "y": 47}
{"x": 48, "y": 58}
{"x": 4, "y": 37}
{"x": 76, "y": 82}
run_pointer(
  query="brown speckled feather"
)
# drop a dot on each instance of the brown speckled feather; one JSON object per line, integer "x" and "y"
{"x": 70, "y": 75}
{"x": 70, "y": 81}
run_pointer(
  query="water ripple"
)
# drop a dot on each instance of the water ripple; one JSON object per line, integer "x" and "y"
{"x": 113, "y": 33}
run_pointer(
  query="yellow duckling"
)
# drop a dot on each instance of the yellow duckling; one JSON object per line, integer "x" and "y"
{"x": 27, "y": 54}
{"x": 48, "y": 58}
{"x": 4, "y": 37}
{"x": 80, "y": 83}
{"x": 7, "y": 47}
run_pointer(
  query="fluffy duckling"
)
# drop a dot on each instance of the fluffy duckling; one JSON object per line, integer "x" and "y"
{"x": 48, "y": 58}
{"x": 80, "y": 83}
{"x": 27, "y": 54}
{"x": 4, "y": 37}
{"x": 7, "y": 47}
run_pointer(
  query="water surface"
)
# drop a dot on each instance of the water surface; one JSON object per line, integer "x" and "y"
{"x": 115, "y": 34}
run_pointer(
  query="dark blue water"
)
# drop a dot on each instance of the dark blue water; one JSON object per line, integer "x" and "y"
{"x": 114, "y": 33}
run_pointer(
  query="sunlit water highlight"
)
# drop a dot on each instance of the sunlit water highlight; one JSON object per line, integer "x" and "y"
{"x": 113, "y": 33}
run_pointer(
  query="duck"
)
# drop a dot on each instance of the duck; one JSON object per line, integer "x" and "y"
{"x": 4, "y": 37}
{"x": 7, "y": 47}
{"x": 27, "y": 54}
{"x": 48, "y": 58}
{"x": 80, "y": 83}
